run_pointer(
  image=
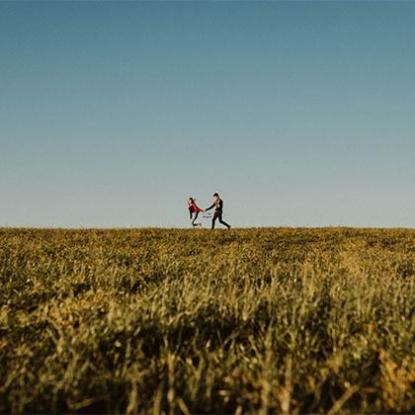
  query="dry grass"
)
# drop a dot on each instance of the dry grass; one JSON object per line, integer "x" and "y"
{"x": 176, "y": 321}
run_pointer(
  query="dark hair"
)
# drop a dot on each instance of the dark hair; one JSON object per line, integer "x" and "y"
{"x": 215, "y": 194}
{"x": 191, "y": 199}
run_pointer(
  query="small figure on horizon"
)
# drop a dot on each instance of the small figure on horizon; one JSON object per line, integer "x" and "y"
{"x": 194, "y": 209}
{"x": 218, "y": 205}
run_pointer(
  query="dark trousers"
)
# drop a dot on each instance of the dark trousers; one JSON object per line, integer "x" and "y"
{"x": 194, "y": 219}
{"x": 218, "y": 215}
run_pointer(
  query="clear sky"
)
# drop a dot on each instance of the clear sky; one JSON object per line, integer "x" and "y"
{"x": 298, "y": 113}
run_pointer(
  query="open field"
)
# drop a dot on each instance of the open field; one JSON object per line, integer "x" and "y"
{"x": 182, "y": 321}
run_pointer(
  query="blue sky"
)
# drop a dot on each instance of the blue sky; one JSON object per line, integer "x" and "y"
{"x": 298, "y": 113}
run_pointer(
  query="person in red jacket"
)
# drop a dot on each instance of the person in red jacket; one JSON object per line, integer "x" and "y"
{"x": 194, "y": 209}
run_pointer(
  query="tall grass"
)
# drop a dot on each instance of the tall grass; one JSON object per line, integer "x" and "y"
{"x": 175, "y": 321}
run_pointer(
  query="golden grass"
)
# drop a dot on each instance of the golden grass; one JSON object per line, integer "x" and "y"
{"x": 182, "y": 321}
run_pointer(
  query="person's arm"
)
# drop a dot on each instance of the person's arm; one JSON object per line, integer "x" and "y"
{"x": 210, "y": 207}
{"x": 199, "y": 209}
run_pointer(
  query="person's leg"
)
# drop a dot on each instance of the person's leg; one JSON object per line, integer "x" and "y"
{"x": 215, "y": 216}
{"x": 223, "y": 222}
{"x": 194, "y": 219}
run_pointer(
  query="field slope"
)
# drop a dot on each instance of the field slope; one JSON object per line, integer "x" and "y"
{"x": 183, "y": 321}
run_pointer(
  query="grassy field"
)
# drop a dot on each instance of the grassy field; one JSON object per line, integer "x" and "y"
{"x": 183, "y": 321}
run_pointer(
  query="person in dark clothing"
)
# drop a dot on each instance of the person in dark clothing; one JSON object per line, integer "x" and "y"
{"x": 218, "y": 205}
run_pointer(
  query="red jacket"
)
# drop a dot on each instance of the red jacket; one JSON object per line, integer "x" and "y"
{"x": 193, "y": 207}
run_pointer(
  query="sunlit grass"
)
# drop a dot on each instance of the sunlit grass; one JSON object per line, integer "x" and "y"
{"x": 183, "y": 321}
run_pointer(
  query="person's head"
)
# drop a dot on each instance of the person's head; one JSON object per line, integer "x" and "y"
{"x": 215, "y": 194}
{"x": 191, "y": 200}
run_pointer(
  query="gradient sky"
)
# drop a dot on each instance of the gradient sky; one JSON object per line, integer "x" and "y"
{"x": 298, "y": 113}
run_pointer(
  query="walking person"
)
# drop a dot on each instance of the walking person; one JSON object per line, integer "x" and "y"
{"x": 194, "y": 209}
{"x": 218, "y": 205}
